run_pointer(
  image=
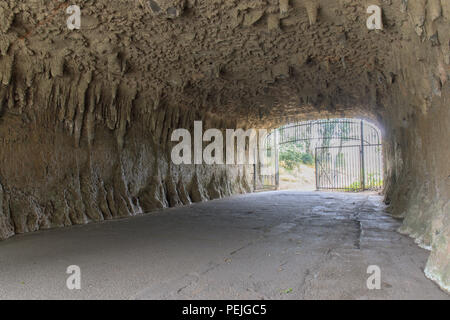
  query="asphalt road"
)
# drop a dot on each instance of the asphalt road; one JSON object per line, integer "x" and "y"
{"x": 272, "y": 245}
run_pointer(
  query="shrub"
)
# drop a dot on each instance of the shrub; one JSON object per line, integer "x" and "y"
{"x": 291, "y": 155}
{"x": 307, "y": 158}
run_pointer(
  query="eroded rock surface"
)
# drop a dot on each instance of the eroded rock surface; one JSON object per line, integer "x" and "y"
{"x": 86, "y": 115}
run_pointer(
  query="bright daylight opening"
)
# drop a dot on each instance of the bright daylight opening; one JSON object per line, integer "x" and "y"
{"x": 335, "y": 155}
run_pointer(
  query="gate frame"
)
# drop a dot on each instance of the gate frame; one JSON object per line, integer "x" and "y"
{"x": 279, "y": 138}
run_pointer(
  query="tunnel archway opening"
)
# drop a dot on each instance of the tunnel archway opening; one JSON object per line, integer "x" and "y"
{"x": 341, "y": 154}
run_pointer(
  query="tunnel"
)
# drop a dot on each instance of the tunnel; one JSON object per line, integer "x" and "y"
{"x": 91, "y": 93}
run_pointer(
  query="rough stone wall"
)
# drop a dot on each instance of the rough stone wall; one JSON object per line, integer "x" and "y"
{"x": 83, "y": 161}
{"x": 418, "y": 132}
{"x": 85, "y": 115}
{"x": 418, "y": 187}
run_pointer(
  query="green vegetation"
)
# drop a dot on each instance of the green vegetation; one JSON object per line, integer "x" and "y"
{"x": 293, "y": 154}
{"x": 307, "y": 159}
{"x": 354, "y": 187}
{"x": 373, "y": 182}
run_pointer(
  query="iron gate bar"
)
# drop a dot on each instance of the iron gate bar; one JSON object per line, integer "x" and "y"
{"x": 363, "y": 174}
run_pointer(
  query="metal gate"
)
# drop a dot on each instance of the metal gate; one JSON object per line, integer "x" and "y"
{"x": 352, "y": 168}
{"x": 348, "y": 154}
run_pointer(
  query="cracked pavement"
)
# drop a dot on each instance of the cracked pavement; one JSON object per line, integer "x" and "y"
{"x": 271, "y": 245}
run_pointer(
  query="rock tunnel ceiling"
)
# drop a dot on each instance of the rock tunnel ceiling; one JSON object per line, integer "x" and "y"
{"x": 240, "y": 56}
{"x": 86, "y": 115}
